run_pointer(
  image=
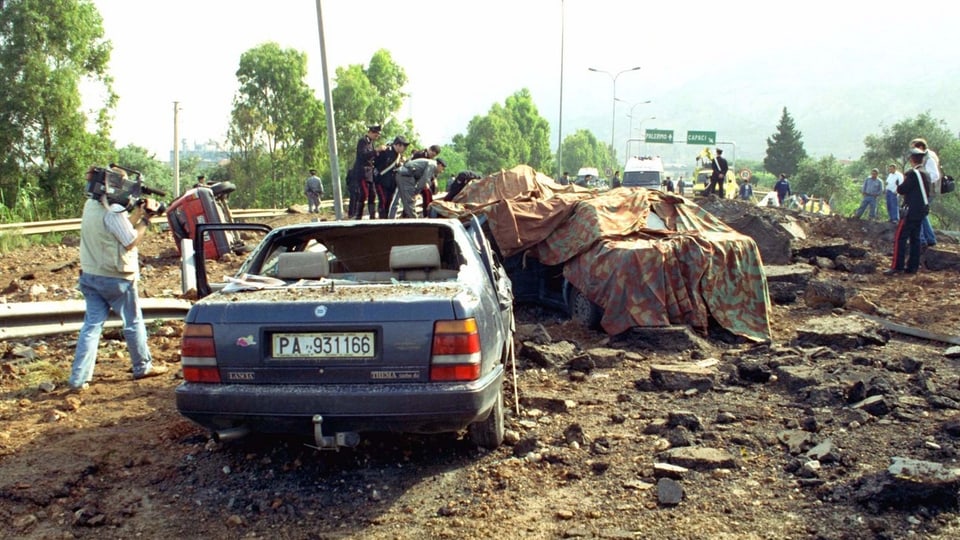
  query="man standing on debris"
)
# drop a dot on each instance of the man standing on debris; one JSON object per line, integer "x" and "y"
{"x": 931, "y": 164}
{"x": 360, "y": 177}
{"x": 746, "y": 191}
{"x": 313, "y": 189}
{"x": 782, "y": 187}
{"x": 871, "y": 190}
{"x": 385, "y": 176}
{"x": 564, "y": 179}
{"x": 915, "y": 189}
{"x": 894, "y": 179}
{"x": 719, "y": 175}
{"x": 110, "y": 268}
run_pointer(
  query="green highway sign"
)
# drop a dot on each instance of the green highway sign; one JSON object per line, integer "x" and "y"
{"x": 701, "y": 137}
{"x": 658, "y": 135}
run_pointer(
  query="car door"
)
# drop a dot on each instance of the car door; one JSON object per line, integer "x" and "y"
{"x": 203, "y": 285}
{"x": 495, "y": 271}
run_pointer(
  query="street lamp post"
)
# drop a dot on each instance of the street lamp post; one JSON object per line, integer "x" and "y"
{"x": 632, "y": 108}
{"x": 640, "y": 129}
{"x": 613, "y": 115}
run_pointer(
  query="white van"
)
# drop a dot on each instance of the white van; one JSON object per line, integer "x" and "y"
{"x": 645, "y": 172}
{"x": 583, "y": 173}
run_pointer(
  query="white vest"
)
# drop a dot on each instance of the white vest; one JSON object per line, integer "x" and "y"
{"x": 101, "y": 253}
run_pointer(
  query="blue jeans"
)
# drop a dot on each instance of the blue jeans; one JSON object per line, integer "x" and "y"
{"x": 927, "y": 237}
{"x": 893, "y": 208}
{"x": 103, "y": 294}
{"x": 868, "y": 201}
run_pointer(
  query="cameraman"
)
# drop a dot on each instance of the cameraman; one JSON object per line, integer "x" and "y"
{"x": 109, "y": 263}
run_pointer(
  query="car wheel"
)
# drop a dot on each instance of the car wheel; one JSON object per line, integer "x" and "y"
{"x": 488, "y": 433}
{"x": 223, "y": 188}
{"x": 582, "y": 310}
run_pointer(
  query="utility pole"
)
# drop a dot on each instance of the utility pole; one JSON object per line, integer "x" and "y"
{"x": 176, "y": 149}
{"x": 560, "y": 119}
{"x": 331, "y": 127}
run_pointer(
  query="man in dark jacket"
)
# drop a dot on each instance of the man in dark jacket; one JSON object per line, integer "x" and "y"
{"x": 719, "y": 175}
{"x": 385, "y": 174}
{"x": 916, "y": 195}
{"x": 459, "y": 183}
{"x": 782, "y": 187}
{"x": 360, "y": 177}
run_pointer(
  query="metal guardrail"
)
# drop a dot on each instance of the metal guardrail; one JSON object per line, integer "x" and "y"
{"x": 27, "y": 319}
{"x": 64, "y": 225}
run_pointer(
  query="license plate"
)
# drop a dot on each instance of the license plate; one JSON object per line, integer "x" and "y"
{"x": 324, "y": 345}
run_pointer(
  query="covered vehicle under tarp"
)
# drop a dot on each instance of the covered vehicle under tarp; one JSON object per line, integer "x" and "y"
{"x": 647, "y": 258}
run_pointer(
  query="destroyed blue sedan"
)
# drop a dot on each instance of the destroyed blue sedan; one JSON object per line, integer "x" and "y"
{"x": 333, "y": 329}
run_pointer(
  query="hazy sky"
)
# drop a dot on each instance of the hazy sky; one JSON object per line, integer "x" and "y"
{"x": 463, "y": 56}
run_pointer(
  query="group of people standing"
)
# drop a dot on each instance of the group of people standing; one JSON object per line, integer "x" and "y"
{"x": 917, "y": 186}
{"x": 381, "y": 178}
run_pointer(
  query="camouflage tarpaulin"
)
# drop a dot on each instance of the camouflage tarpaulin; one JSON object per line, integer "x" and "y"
{"x": 647, "y": 258}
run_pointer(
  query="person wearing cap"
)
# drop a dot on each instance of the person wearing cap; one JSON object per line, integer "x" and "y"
{"x": 385, "y": 167}
{"x": 413, "y": 177}
{"x": 870, "y": 190}
{"x": 719, "y": 175}
{"x": 915, "y": 188}
{"x": 313, "y": 189}
{"x": 931, "y": 164}
{"x": 360, "y": 177}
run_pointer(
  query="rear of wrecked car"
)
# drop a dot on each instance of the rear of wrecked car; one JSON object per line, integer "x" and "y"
{"x": 353, "y": 333}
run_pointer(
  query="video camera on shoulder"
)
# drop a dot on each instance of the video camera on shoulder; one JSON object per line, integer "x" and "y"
{"x": 115, "y": 182}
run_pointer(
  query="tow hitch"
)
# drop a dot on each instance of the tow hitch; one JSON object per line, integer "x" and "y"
{"x": 332, "y": 442}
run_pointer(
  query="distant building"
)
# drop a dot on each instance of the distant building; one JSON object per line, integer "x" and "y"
{"x": 210, "y": 153}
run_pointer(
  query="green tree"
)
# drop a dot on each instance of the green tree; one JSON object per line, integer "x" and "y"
{"x": 785, "y": 148}
{"x": 827, "y": 179}
{"x": 534, "y": 143}
{"x": 365, "y": 96}
{"x": 490, "y": 143}
{"x": 509, "y": 135}
{"x": 582, "y": 149}
{"x": 893, "y": 144}
{"x": 274, "y": 113}
{"x": 48, "y": 48}
{"x": 156, "y": 174}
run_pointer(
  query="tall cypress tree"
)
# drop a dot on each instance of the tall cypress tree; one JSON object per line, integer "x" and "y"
{"x": 785, "y": 148}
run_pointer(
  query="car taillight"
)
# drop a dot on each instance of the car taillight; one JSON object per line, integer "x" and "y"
{"x": 456, "y": 351}
{"x": 198, "y": 356}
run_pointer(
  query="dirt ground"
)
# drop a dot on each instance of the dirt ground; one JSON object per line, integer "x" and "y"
{"x": 119, "y": 462}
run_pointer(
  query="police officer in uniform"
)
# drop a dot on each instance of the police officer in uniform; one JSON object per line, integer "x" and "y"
{"x": 385, "y": 174}
{"x": 360, "y": 177}
{"x": 413, "y": 177}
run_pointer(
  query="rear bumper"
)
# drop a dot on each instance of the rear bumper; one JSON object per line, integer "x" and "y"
{"x": 290, "y": 408}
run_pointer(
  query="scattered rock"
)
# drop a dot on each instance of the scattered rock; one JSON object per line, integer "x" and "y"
{"x": 682, "y": 376}
{"x": 700, "y": 458}
{"x": 669, "y": 492}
